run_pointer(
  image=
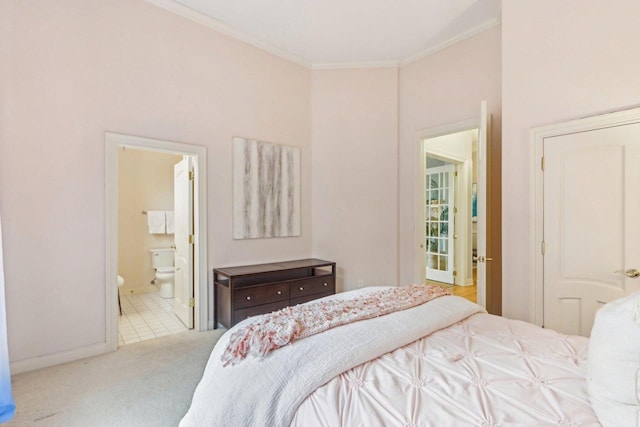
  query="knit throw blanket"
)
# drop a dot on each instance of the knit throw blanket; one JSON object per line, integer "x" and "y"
{"x": 274, "y": 330}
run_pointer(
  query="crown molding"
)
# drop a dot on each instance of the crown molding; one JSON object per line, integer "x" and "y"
{"x": 346, "y": 65}
{"x": 207, "y": 21}
{"x": 214, "y": 24}
{"x": 469, "y": 33}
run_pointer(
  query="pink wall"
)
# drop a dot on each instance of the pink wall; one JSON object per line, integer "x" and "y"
{"x": 354, "y": 178}
{"x": 560, "y": 61}
{"x": 441, "y": 89}
{"x": 72, "y": 70}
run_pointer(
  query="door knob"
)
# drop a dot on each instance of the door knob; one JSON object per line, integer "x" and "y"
{"x": 632, "y": 272}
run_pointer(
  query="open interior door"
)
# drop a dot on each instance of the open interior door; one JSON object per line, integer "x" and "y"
{"x": 183, "y": 208}
{"x": 483, "y": 258}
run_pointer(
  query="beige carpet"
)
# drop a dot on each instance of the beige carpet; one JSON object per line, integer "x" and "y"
{"x": 144, "y": 384}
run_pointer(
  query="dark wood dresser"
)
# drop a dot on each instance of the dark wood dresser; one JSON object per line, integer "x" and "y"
{"x": 250, "y": 290}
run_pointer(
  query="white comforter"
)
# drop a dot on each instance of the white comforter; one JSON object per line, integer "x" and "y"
{"x": 439, "y": 364}
{"x": 268, "y": 392}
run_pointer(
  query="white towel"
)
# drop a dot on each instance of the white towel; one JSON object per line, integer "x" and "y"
{"x": 157, "y": 222}
{"x": 171, "y": 222}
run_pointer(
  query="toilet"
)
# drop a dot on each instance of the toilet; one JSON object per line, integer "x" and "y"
{"x": 162, "y": 263}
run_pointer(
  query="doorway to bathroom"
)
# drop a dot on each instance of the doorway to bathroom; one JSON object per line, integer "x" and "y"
{"x": 156, "y": 239}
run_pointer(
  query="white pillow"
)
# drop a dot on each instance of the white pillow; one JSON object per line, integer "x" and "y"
{"x": 614, "y": 363}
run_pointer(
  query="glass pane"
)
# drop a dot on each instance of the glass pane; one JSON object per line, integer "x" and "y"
{"x": 433, "y": 229}
{"x": 444, "y": 196}
{"x": 432, "y": 262}
{"x": 434, "y": 213}
{"x": 435, "y": 196}
{"x": 443, "y": 263}
{"x": 444, "y": 229}
{"x": 444, "y": 246}
{"x": 433, "y": 245}
{"x": 435, "y": 180}
{"x": 444, "y": 215}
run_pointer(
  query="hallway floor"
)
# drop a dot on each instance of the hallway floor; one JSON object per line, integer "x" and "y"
{"x": 467, "y": 292}
{"x": 146, "y": 316}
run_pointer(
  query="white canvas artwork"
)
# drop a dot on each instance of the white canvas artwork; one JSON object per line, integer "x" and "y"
{"x": 266, "y": 190}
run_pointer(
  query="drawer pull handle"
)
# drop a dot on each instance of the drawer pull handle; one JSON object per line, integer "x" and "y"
{"x": 324, "y": 284}
{"x": 248, "y": 298}
{"x": 301, "y": 288}
{"x": 279, "y": 292}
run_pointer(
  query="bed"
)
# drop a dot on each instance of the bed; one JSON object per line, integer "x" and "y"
{"x": 442, "y": 363}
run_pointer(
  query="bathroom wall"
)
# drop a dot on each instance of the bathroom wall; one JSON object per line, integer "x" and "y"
{"x": 145, "y": 183}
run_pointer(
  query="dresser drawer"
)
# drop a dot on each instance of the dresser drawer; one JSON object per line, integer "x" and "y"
{"x": 312, "y": 286}
{"x": 258, "y": 295}
{"x": 240, "y": 315}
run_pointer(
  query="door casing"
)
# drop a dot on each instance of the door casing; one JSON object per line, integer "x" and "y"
{"x": 113, "y": 141}
{"x": 536, "y": 224}
{"x": 421, "y": 136}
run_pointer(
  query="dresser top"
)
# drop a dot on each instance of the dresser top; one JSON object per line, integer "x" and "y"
{"x": 244, "y": 270}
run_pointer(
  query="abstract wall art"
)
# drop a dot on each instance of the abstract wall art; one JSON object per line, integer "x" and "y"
{"x": 266, "y": 189}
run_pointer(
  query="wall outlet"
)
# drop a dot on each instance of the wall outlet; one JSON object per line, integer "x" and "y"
{"x": 360, "y": 283}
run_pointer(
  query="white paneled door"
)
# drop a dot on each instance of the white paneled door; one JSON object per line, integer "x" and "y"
{"x": 183, "y": 208}
{"x": 591, "y": 243}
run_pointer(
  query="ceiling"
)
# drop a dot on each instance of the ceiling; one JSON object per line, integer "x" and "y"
{"x": 335, "y": 33}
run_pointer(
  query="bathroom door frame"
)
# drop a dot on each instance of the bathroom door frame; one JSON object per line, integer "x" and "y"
{"x": 114, "y": 141}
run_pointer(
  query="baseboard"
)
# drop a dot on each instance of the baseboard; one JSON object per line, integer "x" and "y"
{"x": 128, "y": 290}
{"x": 45, "y": 361}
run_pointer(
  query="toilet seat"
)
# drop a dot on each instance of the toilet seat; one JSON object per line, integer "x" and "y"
{"x": 165, "y": 270}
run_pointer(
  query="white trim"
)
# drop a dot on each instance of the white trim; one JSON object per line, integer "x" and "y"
{"x": 112, "y": 142}
{"x": 536, "y": 212}
{"x": 447, "y": 43}
{"x": 354, "y": 65}
{"x": 45, "y": 361}
{"x": 536, "y": 196}
{"x": 214, "y": 24}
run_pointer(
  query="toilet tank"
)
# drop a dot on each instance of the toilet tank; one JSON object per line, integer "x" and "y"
{"x": 162, "y": 257}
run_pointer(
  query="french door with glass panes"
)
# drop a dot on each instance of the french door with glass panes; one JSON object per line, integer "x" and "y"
{"x": 439, "y": 223}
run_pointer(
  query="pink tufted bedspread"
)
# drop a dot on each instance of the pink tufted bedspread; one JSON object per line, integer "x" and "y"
{"x": 484, "y": 371}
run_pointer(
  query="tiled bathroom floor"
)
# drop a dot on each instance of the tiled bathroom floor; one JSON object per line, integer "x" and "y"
{"x": 146, "y": 316}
